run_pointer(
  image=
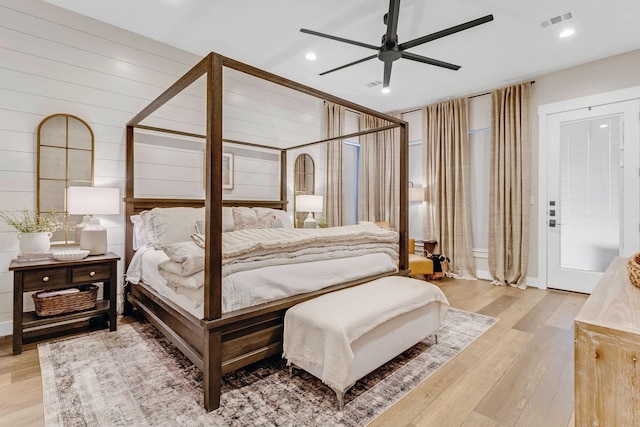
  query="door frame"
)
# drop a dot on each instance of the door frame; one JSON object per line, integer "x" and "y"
{"x": 628, "y": 94}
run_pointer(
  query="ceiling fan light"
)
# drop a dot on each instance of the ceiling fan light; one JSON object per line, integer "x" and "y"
{"x": 566, "y": 33}
{"x": 386, "y": 90}
{"x": 310, "y": 56}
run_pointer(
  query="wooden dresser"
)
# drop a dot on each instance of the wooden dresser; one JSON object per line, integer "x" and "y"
{"x": 607, "y": 352}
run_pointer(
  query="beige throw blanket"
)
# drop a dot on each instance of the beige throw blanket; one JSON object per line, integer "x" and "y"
{"x": 256, "y": 242}
{"x": 256, "y": 248}
{"x": 319, "y": 332}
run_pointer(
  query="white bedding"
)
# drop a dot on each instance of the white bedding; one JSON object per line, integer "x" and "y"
{"x": 251, "y": 287}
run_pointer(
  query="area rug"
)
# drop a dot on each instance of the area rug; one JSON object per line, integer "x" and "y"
{"x": 135, "y": 377}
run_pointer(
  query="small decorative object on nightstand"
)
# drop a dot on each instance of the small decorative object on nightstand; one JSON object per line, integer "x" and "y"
{"x": 56, "y": 275}
{"x": 34, "y": 230}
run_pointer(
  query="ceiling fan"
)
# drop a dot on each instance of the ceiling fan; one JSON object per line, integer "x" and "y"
{"x": 390, "y": 50}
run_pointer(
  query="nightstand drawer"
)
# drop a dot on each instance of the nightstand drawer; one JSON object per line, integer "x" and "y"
{"x": 94, "y": 273}
{"x": 39, "y": 279}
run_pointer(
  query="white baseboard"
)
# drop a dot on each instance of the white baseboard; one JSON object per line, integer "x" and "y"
{"x": 484, "y": 275}
{"x": 6, "y": 328}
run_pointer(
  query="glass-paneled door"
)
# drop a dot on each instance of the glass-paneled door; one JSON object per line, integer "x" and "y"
{"x": 592, "y": 207}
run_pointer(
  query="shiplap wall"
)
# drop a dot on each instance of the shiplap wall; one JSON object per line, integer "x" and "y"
{"x": 56, "y": 61}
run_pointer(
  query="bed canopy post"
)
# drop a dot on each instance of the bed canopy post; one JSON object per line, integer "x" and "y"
{"x": 212, "y": 357}
{"x": 128, "y": 194}
{"x": 283, "y": 177}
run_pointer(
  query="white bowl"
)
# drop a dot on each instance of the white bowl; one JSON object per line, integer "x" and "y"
{"x": 70, "y": 255}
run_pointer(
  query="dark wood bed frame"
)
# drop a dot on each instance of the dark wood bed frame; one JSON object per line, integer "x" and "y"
{"x": 220, "y": 343}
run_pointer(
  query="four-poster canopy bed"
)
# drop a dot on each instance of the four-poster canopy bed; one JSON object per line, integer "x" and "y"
{"x": 221, "y": 342}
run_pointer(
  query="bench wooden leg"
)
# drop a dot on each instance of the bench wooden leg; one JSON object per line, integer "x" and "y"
{"x": 340, "y": 396}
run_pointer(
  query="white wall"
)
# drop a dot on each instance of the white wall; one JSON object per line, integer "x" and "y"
{"x": 56, "y": 61}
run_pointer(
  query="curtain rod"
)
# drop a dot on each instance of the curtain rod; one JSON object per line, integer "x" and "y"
{"x": 471, "y": 96}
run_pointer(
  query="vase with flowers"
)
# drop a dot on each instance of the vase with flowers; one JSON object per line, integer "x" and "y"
{"x": 34, "y": 229}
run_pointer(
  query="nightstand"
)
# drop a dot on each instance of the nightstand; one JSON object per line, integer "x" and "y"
{"x": 34, "y": 276}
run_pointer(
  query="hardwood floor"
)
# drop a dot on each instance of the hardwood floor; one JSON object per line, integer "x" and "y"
{"x": 518, "y": 373}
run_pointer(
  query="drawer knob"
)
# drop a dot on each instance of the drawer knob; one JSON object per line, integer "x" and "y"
{"x": 45, "y": 279}
{"x": 93, "y": 273}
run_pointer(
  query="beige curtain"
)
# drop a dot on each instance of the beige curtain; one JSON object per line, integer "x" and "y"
{"x": 379, "y": 179}
{"x": 334, "y": 197}
{"x": 510, "y": 186}
{"x": 447, "y": 169}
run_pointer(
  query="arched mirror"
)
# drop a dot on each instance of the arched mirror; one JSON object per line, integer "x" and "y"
{"x": 65, "y": 158}
{"x": 304, "y": 182}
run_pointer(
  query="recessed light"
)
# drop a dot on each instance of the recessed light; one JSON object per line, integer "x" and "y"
{"x": 604, "y": 126}
{"x": 310, "y": 56}
{"x": 567, "y": 33}
{"x": 386, "y": 90}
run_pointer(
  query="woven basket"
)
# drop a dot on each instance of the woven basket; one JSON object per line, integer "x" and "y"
{"x": 633, "y": 269}
{"x": 67, "y": 303}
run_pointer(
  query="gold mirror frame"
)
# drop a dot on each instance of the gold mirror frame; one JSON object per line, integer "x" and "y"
{"x": 65, "y": 158}
{"x": 304, "y": 182}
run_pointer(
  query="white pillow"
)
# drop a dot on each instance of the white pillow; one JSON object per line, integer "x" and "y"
{"x": 149, "y": 229}
{"x": 173, "y": 225}
{"x": 244, "y": 218}
{"x": 279, "y": 214}
{"x": 139, "y": 232}
{"x": 248, "y": 218}
{"x": 227, "y": 219}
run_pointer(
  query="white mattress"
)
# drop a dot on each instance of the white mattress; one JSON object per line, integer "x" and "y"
{"x": 253, "y": 287}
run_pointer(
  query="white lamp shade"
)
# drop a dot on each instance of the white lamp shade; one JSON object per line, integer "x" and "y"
{"x": 93, "y": 200}
{"x": 309, "y": 203}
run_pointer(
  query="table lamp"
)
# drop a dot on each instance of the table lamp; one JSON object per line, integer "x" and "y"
{"x": 92, "y": 201}
{"x": 309, "y": 203}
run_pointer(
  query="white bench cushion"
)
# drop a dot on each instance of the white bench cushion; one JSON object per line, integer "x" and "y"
{"x": 318, "y": 333}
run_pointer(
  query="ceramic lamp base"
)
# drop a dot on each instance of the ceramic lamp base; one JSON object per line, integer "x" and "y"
{"x": 310, "y": 222}
{"x": 85, "y": 221}
{"x": 94, "y": 238}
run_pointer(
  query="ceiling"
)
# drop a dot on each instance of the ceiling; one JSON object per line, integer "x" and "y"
{"x": 266, "y": 34}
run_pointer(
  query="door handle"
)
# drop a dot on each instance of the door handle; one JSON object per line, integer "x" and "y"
{"x": 554, "y": 223}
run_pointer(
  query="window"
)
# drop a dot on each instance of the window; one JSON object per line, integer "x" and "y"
{"x": 480, "y": 153}
{"x": 480, "y": 142}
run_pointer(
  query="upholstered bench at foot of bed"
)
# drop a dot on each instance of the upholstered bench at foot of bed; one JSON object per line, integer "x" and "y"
{"x": 342, "y": 336}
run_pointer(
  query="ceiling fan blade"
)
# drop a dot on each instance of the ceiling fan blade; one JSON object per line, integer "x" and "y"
{"x": 392, "y": 21}
{"x": 430, "y": 61}
{"x": 349, "y": 65}
{"x": 387, "y": 73}
{"x": 339, "y": 39}
{"x": 447, "y": 32}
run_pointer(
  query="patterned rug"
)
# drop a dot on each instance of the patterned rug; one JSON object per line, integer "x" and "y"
{"x": 135, "y": 377}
